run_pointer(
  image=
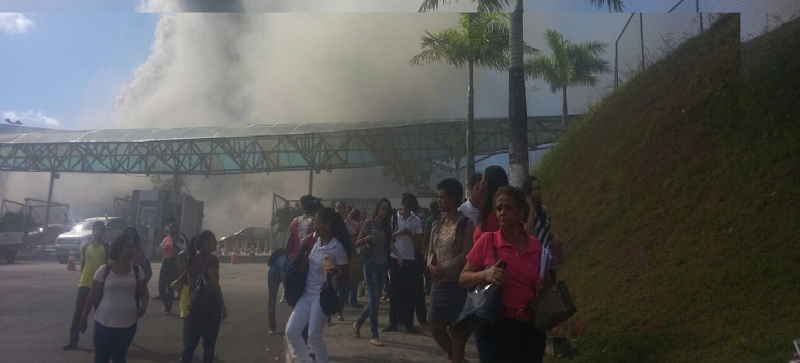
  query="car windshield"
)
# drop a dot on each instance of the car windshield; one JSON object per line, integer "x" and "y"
{"x": 85, "y": 226}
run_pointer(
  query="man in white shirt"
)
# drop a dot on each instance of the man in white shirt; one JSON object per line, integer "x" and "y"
{"x": 407, "y": 234}
{"x": 471, "y": 208}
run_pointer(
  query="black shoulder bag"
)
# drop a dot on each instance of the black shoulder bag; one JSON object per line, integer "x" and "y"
{"x": 296, "y": 276}
{"x": 328, "y": 299}
{"x": 483, "y": 303}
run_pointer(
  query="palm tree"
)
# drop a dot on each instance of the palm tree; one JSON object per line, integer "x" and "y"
{"x": 570, "y": 65}
{"x": 480, "y": 40}
{"x": 517, "y": 108}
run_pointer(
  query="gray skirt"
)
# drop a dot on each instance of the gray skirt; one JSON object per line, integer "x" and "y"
{"x": 447, "y": 301}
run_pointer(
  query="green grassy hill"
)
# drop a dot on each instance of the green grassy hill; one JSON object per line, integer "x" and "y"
{"x": 678, "y": 201}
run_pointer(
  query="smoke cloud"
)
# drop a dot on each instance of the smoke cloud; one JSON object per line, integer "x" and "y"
{"x": 216, "y": 69}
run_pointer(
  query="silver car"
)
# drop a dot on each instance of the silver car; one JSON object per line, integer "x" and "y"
{"x": 82, "y": 232}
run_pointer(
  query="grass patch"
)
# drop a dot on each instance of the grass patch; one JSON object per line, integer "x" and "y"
{"x": 678, "y": 203}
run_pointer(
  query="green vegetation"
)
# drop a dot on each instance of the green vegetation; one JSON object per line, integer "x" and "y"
{"x": 677, "y": 201}
{"x": 517, "y": 107}
{"x": 570, "y": 65}
{"x": 480, "y": 40}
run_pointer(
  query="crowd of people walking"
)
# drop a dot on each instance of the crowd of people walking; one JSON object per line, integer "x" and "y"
{"x": 495, "y": 234}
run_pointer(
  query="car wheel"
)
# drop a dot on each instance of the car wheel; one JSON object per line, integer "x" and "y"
{"x": 62, "y": 259}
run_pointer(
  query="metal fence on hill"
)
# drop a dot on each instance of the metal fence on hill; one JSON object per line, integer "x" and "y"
{"x": 648, "y": 37}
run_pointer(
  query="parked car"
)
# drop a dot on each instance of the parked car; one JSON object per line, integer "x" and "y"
{"x": 254, "y": 237}
{"x": 72, "y": 240}
{"x": 40, "y": 237}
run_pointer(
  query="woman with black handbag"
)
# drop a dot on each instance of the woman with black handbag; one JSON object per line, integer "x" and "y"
{"x": 207, "y": 305}
{"x": 513, "y": 338}
{"x": 331, "y": 245}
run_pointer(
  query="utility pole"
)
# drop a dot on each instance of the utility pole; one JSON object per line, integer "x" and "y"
{"x": 53, "y": 177}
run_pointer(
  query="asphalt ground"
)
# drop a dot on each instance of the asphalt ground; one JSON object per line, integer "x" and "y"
{"x": 37, "y": 300}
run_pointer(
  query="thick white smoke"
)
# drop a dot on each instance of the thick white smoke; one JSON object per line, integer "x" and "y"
{"x": 209, "y": 69}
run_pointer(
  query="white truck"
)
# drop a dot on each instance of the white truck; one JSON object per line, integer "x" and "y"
{"x": 82, "y": 232}
{"x": 10, "y": 244}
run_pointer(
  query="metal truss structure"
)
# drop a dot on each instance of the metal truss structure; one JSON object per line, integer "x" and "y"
{"x": 261, "y": 148}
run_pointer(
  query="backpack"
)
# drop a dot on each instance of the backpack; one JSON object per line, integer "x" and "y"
{"x": 297, "y": 272}
{"x": 84, "y": 247}
{"x": 108, "y": 272}
{"x": 204, "y": 301}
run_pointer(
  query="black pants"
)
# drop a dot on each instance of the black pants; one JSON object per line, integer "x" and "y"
{"x": 401, "y": 303}
{"x": 419, "y": 287}
{"x": 512, "y": 341}
{"x": 80, "y": 302}
{"x": 168, "y": 274}
{"x": 201, "y": 327}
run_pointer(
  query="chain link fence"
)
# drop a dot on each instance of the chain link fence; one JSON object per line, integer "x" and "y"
{"x": 648, "y": 37}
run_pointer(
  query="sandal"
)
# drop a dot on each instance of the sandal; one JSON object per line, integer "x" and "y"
{"x": 356, "y": 331}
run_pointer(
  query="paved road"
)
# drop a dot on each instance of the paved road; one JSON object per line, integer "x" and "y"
{"x": 37, "y": 299}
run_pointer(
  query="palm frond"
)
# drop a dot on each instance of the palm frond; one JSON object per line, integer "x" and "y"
{"x": 617, "y": 5}
{"x": 492, "y": 6}
{"x": 446, "y": 44}
{"x": 529, "y": 50}
{"x": 431, "y": 5}
{"x": 543, "y": 68}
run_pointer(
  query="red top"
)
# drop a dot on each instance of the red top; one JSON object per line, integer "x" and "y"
{"x": 167, "y": 246}
{"x": 300, "y": 228}
{"x": 522, "y": 270}
{"x": 492, "y": 225}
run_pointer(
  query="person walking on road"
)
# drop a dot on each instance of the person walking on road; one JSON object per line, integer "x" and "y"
{"x": 494, "y": 178}
{"x": 403, "y": 268}
{"x": 120, "y": 291}
{"x": 299, "y": 229}
{"x": 356, "y": 275}
{"x": 450, "y": 241}
{"x": 328, "y": 257}
{"x": 376, "y": 233}
{"x": 513, "y": 338}
{"x": 92, "y": 255}
{"x": 207, "y": 306}
{"x": 170, "y": 247}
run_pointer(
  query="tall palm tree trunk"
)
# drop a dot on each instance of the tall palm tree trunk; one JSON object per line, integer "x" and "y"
{"x": 517, "y": 108}
{"x": 564, "y": 111}
{"x": 470, "y": 126}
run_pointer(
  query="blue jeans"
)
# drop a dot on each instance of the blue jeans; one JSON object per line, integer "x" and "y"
{"x": 274, "y": 280}
{"x": 373, "y": 275}
{"x": 112, "y": 343}
{"x": 354, "y": 294}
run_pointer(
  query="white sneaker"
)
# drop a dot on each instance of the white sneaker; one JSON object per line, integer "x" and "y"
{"x": 271, "y": 332}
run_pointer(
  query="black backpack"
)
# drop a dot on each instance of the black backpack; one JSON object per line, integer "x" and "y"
{"x": 204, "y": 299}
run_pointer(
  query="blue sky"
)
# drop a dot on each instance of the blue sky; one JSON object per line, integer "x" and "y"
{"x": 70, "y": 63}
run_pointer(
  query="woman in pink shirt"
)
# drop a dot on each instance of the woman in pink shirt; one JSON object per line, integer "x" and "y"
{"x": 513, "y": 338}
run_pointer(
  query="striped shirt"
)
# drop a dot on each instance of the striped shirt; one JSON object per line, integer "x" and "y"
{"x": 542, "y": 227}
